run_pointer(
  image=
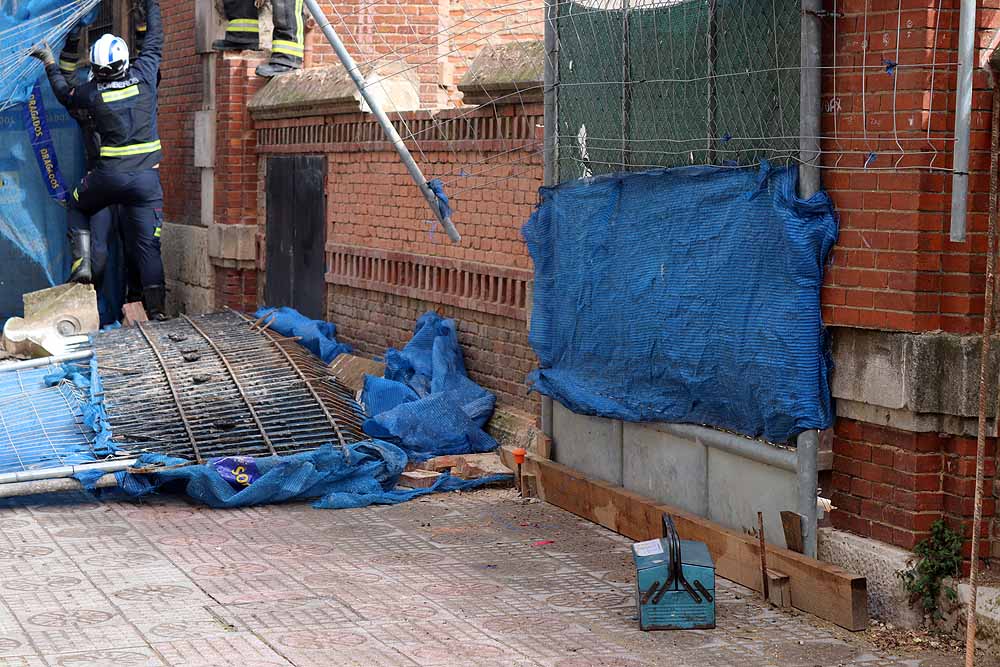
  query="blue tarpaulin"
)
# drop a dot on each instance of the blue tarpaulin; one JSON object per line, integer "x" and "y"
{"x": 426, "y": 402}
{"x": 684, "y": 295}
{"x": 317, "y": 336}
{"x": 41, "y": 154}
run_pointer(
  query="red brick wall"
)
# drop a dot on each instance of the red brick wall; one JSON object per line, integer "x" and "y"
{"x": 894, "y": 266}
{"x": 892, "y": 485}
{"x": 373, "y": 204}
{"x": 180, "y": 96}
{"x": 236, "y": 186}
{"x": 436, "y": 39}
{"x": 497, "y": 354}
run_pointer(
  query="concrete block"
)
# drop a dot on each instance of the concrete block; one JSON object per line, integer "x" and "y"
{"x": 505, "y": 69}
{"x": 878, "y": 562}
{"x": 738, "y": 488}
{"x": 204, "y": 138}
{"x": 232, "y": 242}
{"x": 869, "y": 367}
{"x": 185, "y": 255}
{"x": 207, "y": 209}
{"x": 918, "y": 382}
{"x": 189, "y": 299}
{"x": 394, "y": 85}
{"x": 208, "y": 25}
{"x": 54, "y": 319}
{"x": 665, "y": 467}
{"x": 592, "y": 445}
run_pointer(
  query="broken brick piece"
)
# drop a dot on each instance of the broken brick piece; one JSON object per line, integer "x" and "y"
{"x": 418, "y": 479}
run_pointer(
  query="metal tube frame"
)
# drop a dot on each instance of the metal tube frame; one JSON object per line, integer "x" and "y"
{"x": 390, "y": 132}
{"x": 963, "y": 119}
{"x": 550, "y": 174}
{"x": 810, "y": 109}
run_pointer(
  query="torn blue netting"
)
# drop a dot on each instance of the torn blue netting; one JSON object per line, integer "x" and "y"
{"x": 317, "y": 336}
{"x": 367, "y": 475}
{"x": 41, "y": 153}
{"x": 426, "y": 402}
{"x": 444, "y": 206}
{"x": 714, "y": 320}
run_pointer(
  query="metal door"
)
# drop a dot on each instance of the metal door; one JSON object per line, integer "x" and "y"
{"x": 296, "y": 234}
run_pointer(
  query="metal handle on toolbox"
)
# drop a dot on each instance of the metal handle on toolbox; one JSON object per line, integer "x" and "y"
{"x": 676, "y": 568}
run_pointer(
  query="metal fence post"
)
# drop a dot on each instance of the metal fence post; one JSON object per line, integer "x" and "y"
{"x": 550, "y": 175}
{"x": 390, "y": 132}
{"x": 811, "y": 80}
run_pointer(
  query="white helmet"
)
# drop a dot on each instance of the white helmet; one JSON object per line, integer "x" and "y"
{"x": 109, "y": 58}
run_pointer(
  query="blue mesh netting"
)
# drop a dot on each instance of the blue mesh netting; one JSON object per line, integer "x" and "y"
{"x": 684, "y": 295}
{"x": 426, "y": 402}
{"x": 317, "y": 336}
{"x": 41, "y": 153}
{"x": 366, "y": 475}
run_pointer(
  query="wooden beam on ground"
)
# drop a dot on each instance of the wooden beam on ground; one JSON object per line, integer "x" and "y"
{"x": 818, "y": 588}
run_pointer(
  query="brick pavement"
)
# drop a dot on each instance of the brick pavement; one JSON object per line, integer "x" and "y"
{"x": 446, "y": 580}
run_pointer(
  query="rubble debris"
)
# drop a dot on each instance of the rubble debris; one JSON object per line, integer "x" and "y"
{"x": 55, "y": 321}
{"x": 418, "y": 479}
{"x": 133, "y": 313}
{"x": 467, "y": 466}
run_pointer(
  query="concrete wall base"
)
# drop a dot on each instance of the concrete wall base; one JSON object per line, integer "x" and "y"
{"x": 878, "y": 562}
{"x": 987, "y": 616}
{"x": 190, "y": 275}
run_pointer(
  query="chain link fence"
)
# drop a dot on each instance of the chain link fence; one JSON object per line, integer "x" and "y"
{"x": 666, "y": 83}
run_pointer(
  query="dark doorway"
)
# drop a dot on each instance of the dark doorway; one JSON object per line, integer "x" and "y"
{"x": 296, "y": 234}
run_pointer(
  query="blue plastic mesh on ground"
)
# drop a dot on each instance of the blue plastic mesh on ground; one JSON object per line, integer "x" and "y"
{"x": 367, "y": 475}
{"x": 684, "y": 295}
{"x": 451, "y": 411}
{"x": 45, "y": 423}
{"x": 317, "y": 336}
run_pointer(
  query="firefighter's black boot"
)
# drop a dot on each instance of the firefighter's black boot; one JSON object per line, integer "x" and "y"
{"x": 228, "y": 45}
{"x": 80, "y": 270}
{"x": 153, "y": 298}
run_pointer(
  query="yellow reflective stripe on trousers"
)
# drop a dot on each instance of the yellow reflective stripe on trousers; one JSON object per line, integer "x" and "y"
{"x": 299, "y": 35}
{"x": 133, "y": 149}
{"x": 124, "y": 93}
{"x": 76, "y": 264}
{"x": 156, "y": 234}
{"x": 287, "y": 47}
{"x": 243, "y": 25}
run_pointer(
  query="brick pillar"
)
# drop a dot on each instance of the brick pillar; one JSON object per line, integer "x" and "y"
{"x": 235, "y": 176}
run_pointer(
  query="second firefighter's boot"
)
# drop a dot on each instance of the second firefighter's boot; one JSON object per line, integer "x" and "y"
{"x": 152, "y": 299}
{"x": 80, "y": 270}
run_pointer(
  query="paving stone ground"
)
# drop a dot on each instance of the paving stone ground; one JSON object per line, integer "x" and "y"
{"x": 457, "y": 579}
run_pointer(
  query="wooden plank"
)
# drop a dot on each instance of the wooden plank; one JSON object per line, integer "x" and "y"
{"x": 791, "y": 522}
{"x": 351, "y": 370}
{"x": 818, "y": 588}
{"x": 780, "y": 587}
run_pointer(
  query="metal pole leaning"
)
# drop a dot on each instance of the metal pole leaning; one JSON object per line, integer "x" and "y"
{"x": 390, "y": 132}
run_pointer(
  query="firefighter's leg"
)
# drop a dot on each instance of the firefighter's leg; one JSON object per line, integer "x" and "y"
{"x": 242, "y": 28}
{"x": 143, "y": 219}
{"x": 287, "y": 40}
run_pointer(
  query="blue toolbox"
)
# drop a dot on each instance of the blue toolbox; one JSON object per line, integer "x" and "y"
{"x": 674, "y": 582}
